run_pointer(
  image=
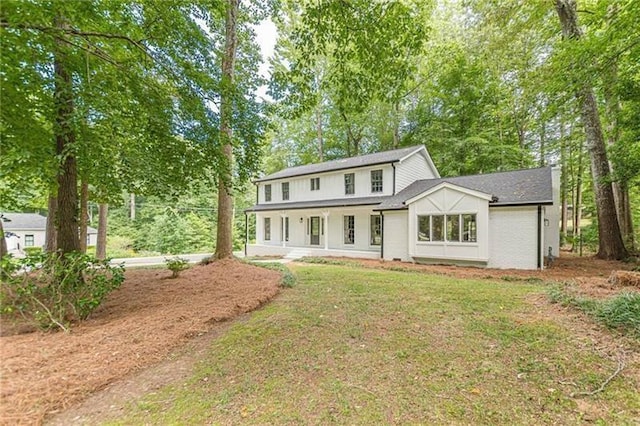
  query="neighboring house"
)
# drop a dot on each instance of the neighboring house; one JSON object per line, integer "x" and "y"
{"x": 30, "y": 229}
{"x": 394, "y": 205}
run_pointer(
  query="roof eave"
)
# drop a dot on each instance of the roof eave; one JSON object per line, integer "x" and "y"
{"x": 265, "y": 179}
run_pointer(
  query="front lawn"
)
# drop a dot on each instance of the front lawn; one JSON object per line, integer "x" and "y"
{"x": 350, "y": 345}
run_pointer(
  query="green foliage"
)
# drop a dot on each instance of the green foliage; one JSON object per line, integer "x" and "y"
{"x": 176, "y": 265}
{"x": 288, "y": 279}
{"x": 53, "y": 291}
{"x": 621, "y": 312}
{"x": 32, "y": 251}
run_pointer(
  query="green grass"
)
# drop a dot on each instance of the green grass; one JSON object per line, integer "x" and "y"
{"x": 349, "y": 345}
{"x": 621, "y": 312}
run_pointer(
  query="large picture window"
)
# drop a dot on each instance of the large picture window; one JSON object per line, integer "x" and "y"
{"x": 376, "y": 230}
{"x": 376, "y": 180}
{"x": 451, "y": 228}
{"x": 267, "y": 229}
{"x": 267, "y": 193}
{"x": 285, "y": 191}
{"x": 350, "y": 183}
{"x": 349, "y": 230}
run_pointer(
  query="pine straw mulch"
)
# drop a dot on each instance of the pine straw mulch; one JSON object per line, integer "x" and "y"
{"x": 139, "y": 325}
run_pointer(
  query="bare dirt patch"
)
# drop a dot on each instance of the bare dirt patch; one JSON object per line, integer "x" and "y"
{"x": 139, "y": 325}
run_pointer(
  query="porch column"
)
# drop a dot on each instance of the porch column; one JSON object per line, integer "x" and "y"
{"x": 283, "y": 234}
{"x": 326, "y": 229}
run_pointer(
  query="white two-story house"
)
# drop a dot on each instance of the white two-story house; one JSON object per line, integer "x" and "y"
{"x": 393, "y": 205}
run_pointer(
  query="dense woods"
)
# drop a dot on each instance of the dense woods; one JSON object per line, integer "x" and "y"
{"x": 101, "y": 100}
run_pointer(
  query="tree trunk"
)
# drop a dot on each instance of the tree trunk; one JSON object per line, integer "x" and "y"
{"x": 101, "y": 244}
{"x": 543, "y": 139}
{"x": 3, "y": 242}
{"x": 84, "y": 216}
{"x": 132, "y": 207}
{"x": 50, "y": 243}
{"x": 564, "y": 180}
{"x": 577, "y": 204}
{"x": 66, "y": 220}
{"x": 396, "y": 125}
{"x": 610, "y": 238}
{"x": 619, "y": 186}
{"x": 319, "y": 130}
{"x": 224, "y": 240}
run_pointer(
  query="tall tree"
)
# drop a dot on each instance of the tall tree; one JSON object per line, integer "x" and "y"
{"x": 224, "y": 245}
{"x": 611, "y": 245}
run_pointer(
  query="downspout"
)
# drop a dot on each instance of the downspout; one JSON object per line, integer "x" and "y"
{"x": 381, "y": 235}
{"x": 394, "y": 178}
{"x": 539, "y": 255}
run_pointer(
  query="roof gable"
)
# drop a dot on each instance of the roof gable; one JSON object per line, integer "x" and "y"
{"x": 519, "y": 187}
{"x": 454, "y": 187}
{"x": 385, "y": 157}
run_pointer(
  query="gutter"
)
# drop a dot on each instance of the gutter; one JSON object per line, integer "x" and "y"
{"x": 394, "y": 178}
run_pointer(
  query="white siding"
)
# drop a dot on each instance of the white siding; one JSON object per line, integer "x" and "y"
{"x": 450, "y": 201}
{"x": 299, "y": 235}
{"x": 395, "y": 235}
{"x": 413, "y": 168}
{"x": 331, "y": 185}
{"x": 514, "y": 237}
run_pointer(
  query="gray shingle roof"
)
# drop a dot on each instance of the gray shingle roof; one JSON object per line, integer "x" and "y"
{"x": 341, "y": 202}
{"x": 29, "y": 222}
{"x": 531, "y": 186}
{"x": 345, "y": 163}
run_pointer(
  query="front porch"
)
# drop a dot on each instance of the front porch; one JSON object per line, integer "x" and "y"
{"x": 291, "y": 252}
{"x": 354, "y": 231}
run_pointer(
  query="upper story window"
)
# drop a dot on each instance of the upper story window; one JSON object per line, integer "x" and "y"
{"x": 267, "y": 192}
{"x": 285, "y": 191}
{"x": 376, "y": 180}
{"x": 350, "y": 183}
{"x": 315, "y": 184}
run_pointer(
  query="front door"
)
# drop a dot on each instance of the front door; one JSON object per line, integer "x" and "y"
{"x": 315, "y": 230}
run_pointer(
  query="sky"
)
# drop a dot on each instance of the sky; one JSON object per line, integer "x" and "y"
{"x": 266, "y": 34}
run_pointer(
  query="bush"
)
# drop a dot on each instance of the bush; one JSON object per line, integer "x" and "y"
{"x": 31, "y": 251}
{"x": 53, "y": 291}
{"x": 176, "y": 265}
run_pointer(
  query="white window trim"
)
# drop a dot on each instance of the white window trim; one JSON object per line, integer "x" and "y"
{"x": 445, "y": 241}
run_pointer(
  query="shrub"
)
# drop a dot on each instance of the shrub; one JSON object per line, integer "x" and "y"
{"x": 31, "y": 251}
{"x": 53, "y": 290}
{"x": 176, "y": 265}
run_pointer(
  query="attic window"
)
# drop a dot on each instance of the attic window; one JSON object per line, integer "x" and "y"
{"x": 315, "y": 184}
